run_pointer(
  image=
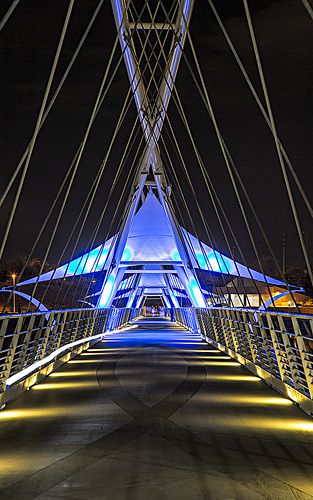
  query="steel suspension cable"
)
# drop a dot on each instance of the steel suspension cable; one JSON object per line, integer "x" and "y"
{"x": 308, "y": 8}
{"x": 260, "y": 105}
{"x": 53, "y": 99}
{"x": 276, "y": 140}
{"x": 37, "y": 126}
{"x": 207, "y": 229}
{"x": 201, "y": 162}
{"x": 131, "y": 170}
{"x": 204, "y": 222}
{"x": 73, "y": 162}
{"x": 8, "y": 14}
{"x": 244, "y": 191}
{"x": 56, "y": 198}
{"x": 166, "y": 82}
{"x": 185, "y": 204}
{"x": 140, "y": 59}
{"x": 117, "y": 208}
{"x": 236, "y": 171}
{"x": 98, "y": 225}
{"x": 125, "y": 155}
{"x": 151, "y": 132}
{"x": 75, "y": 169}
{"x": 77, "y": 162}
{"x": 226, "y": 159}
{"x": 92, "y": 192}
{"x": 205, "y": 176}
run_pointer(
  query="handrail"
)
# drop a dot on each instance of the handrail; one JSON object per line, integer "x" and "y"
{"x": 277, "y": 346}
{"x": 26, "y": 339}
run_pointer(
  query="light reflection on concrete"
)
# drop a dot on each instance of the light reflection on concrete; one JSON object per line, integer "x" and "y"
{"x": 92, "y": 384}
{"x": 242, "y": 399}
{"x": 86, "y": 373}
{"x": 233, "y": 378}
{"x": 50, "y": 412}
{"x": 217, "y": 363}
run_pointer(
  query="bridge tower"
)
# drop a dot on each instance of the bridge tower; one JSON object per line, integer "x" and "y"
{"x": 152, "y": 115}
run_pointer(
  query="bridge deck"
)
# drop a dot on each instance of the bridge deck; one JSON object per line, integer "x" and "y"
{"x": 154, "y": 413}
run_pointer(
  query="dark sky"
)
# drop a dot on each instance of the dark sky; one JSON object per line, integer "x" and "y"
{"x": 28, "y": 43}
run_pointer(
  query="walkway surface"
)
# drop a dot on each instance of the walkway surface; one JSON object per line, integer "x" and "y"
{"x": 154, "y": 413}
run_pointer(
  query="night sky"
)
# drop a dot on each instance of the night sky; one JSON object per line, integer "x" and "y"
{"x": 28, "y": 43}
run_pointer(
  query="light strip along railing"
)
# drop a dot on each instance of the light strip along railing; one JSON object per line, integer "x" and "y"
{"x": 26, "y": 339}
{"x": 278, "y": 347}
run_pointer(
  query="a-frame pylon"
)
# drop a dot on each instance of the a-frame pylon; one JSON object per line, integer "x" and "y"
{"x": 152, "y": 116}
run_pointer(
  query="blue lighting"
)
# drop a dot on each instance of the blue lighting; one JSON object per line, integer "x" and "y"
{"x": 196, "y": 294}
{"x": 131, "y": 298}
{"x": 217, "y": 263}
{"x": 202, "y": 261}
{"x": 107, "y": 292}
{"x": 127, "y": 254}
{"x": 174, "y": 299}
{"x": 176, "y": 256}
{"x": 90, "y": 262}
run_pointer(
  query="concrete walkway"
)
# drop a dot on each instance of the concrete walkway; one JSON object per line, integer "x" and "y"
{"x": 154, "y": 413}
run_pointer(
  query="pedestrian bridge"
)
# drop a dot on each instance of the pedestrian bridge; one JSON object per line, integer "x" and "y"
{"x": 154, "y": 410}
{"x": 214, "y": 399}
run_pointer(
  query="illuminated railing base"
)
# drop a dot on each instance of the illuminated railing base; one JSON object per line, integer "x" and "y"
{"x": 277, "y": 347}
{"x": 305, "y": 403}
{"x": 17, "y": 385}
{"x": 15, "y": 390}
{"x": 34, "y": 344}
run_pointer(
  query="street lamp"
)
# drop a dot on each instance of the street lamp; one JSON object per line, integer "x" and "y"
{"x": 13, "y": 276}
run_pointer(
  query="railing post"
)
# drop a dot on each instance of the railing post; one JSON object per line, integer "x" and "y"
{"x": 3, "y": 329}
{"x": 212, "y": 326}
{"x": 232, "y": 330}
{"x": 307, "y": 365}
{"x": 284, "y": 356}
{"x": 279, "y": 365}
{"x": 11, "y": 352}
{"x": 45, "y": 337}
{"x": 90, "y": 324}
{"x": 27, "y": 338}
{"x": 60, "y": 319}
{"x": 225, "y": 326}
{"x": 248, "y": 331}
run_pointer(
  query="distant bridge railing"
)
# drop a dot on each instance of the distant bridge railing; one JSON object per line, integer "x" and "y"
{"x": 31, "y": 341}
{"x": 278, "y": 347}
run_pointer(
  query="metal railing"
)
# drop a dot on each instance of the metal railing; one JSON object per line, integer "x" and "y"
{"x": 28, "y": 338}
{"x": 279, "y": 343}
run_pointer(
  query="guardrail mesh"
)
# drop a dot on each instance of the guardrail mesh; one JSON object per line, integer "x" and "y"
{"x": 279, "y": 343}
